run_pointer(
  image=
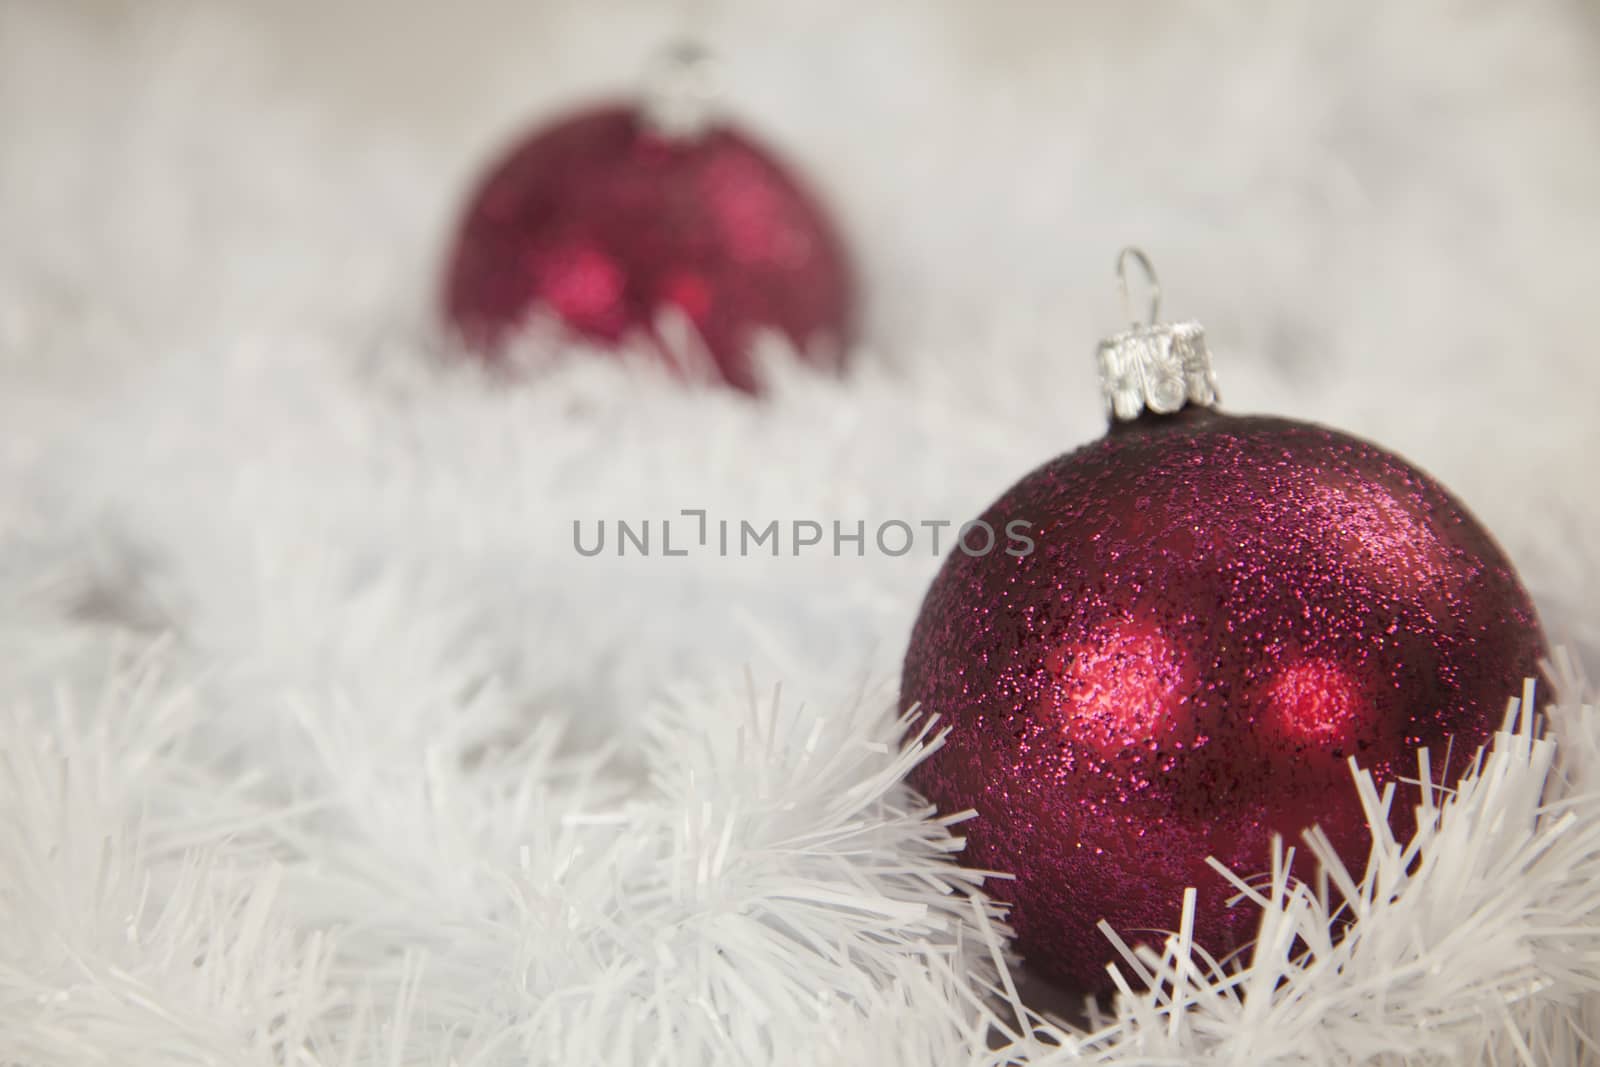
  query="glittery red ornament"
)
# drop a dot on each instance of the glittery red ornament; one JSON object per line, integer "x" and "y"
{"x": 605, "y": 221}
{"x": 1217, "y": 613}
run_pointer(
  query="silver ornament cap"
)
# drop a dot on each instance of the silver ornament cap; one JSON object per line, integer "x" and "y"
{"x": 681, "y": 92}
{"x": 1159, "y": 367}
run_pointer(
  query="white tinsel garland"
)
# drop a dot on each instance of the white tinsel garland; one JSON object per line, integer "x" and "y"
{"x": 321, "y": 745}
{"x": 771, "y": 895}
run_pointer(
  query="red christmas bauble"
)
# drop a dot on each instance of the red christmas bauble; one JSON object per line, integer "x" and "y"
{"x": 1216, "y": 613}
{"x": 605, "y": 222}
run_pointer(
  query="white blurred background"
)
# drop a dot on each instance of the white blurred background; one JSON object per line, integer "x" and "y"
{"x": 1386, "y": 215}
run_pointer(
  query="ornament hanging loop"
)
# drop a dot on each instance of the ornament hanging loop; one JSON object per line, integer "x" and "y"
{"x": 1137, "y": 255}
{"x": 1153, "y": 367}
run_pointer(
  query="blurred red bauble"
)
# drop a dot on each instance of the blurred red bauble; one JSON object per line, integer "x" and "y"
{"x": 606, "y": 222}
{"x": 1218, "y": 611}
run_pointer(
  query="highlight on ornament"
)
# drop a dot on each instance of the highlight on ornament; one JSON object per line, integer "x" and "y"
{"x": 658, "y": 224}
{"x": 1222, "y": 614}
